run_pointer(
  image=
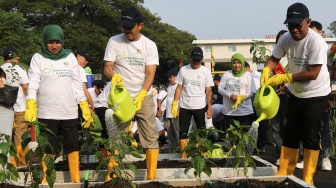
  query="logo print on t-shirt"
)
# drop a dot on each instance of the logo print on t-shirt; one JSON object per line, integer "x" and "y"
{"x": 139, "y": 51}
{"x": 66, "y": 64}
{"x": 121, "y": 56}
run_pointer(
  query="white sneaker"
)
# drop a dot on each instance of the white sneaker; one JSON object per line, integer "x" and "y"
{"x": 277, "y": 162}
{"x": 299, "y": 165}
{"x": 326, "y": 165}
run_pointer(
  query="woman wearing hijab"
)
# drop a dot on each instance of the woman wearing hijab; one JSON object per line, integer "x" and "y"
{"x": 235, "y": 86}
{"x": 53, "y": 92}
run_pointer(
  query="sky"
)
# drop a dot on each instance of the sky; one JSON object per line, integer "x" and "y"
{"x": 235, "y": 19}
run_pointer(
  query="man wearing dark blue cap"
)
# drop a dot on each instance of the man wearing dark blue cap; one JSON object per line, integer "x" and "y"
{"x": 130, "y": 61}
{"x": 193, "y": 93}
{"x": 309, "y": 85}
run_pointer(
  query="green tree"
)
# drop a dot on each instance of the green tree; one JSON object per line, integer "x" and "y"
{"x": 332, "y": 28}
{"x": 88, "y": 24}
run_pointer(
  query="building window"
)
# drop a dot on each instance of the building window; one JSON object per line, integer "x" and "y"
{"x": 232, "y": 47}
{"x": 207, "y": 48}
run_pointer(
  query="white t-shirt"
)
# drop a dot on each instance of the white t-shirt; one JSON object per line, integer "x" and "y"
{"x": 20, "y": 105}
{"x": 101, "y": 100}
{"x": 162, "y": 95}
{"x": 230, "y": 84}
{"x": 194, "y": 82}
{"x": 56, "y": 86}
{"x": 92, "y": 94}
{"x": 82, "y": 74}
{"x": 130, "y": 59}
{"x": 255, "y": 81}
{"x": 311, "y": 50}
{"x": 169, "y": 100}
{"x": 159, "y": 126}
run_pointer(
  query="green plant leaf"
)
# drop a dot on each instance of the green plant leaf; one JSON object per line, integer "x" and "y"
{"x": 136, "y": 154}
{"x": 186, "y": 170}
{"x": 207, "y": 170}
{"x": 2, "y": 176}
{"x": 198, "y": 163}
{"x": 133, "y": 168}
{"x": 4, "y": 147}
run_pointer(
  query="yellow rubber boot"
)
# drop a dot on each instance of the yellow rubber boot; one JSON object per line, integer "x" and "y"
{"x": 310, "y": 158}
{"x": 73, "y": 160}
{"x": 152, "y": 156}
{"x": 44, "y": 168}
{"x": 21, "y": 155}
{"x": 112, "y": 163}
{"x": 288, "y": 160}
{"x": 13, "y": 161}
{"x": 183, "y": 144}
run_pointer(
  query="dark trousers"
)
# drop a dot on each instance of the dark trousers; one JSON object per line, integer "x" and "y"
{"x": 243, "y": 120}
{"x": 69, "y": 131}
{"x": 185, "y": 118}
{"x": 278, "y": 122}
{"x": 101, "y": 115}
{"x": 304, "y": 118}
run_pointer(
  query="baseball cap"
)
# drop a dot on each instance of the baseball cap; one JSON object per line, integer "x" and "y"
{"x": 130, "y": 16}
{"x": 85, "y": 54}
{"x": 217, "y": 77}
{"x": 10, "y": 52}
{"x": 197, "y": 53}
{"x": 172, "y": 72}
{"x": 296, "y": 13}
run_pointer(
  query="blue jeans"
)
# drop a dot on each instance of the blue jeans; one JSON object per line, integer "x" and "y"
{"x": 326, "y": 135}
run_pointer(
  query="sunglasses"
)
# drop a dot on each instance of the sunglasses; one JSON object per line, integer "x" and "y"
{"x": 296, "y": 26}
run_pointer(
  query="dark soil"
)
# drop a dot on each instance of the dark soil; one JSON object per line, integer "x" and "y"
{"x": 4, "y": 185}
{"x": 251, "y": 183}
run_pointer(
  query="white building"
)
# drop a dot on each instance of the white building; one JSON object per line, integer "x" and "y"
{"x": 224, "y": 49}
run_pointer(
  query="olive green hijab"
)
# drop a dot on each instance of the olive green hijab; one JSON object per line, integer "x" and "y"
{"x": 241, "y": 58}
{"x": 53, "y": 32}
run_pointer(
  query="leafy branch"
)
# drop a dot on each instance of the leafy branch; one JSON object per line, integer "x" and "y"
{"x": 259, "y": 51}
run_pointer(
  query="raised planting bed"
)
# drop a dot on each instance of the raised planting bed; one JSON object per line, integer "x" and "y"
{"x": 169, "y": 169}
{"x": 255, "y": 182}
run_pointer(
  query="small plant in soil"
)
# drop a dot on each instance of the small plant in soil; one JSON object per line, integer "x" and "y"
{"x": 242, "y": 144}
{"x": 7, "y": 171}
{"x": 198, "y": 147}
{"x": 118, "y": 146}
{"x": 38, "y": 154}
{"x": 88, "y": 144}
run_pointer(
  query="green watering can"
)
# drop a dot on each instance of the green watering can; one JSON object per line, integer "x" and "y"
{"x": 121, "y": 102}
{"x": 266, "y": 103}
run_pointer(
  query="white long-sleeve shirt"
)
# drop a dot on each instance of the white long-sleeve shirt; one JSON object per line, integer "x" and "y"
{"x": 56, "y": 86}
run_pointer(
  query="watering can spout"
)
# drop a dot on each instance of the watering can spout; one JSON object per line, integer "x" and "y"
{"x": 261, "y": 117}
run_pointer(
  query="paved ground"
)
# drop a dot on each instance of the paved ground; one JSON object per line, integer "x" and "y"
{"x": 322, "y": 179}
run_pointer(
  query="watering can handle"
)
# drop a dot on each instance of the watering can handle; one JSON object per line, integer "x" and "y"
{"x": 261, "y": 94}
{"x": 112, "y": 89}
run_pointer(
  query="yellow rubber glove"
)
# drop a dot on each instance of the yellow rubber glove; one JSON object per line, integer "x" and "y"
{"x": 240, "y": 99}
{"x": 266, "y": 72}
{"x": 116, "y": 78}
{"x": 138, "y": 99}
{"x": 279, "y": 79}
{"x": 86, "y": 113}
{"x": 134, "y": 143}
{"x": 31, "y": 110}
{"x": 174, "y": 109}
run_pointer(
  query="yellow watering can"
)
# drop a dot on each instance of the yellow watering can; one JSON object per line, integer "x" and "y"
{"x": 266, "y": 103}
{"x": 121, "y": 102}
